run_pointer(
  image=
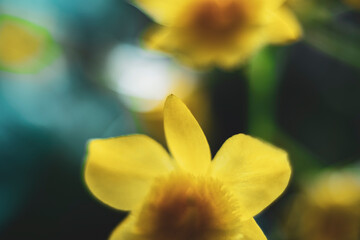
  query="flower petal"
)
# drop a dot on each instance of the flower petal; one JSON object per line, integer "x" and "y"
{"x": 169, "y": 12}
{"x": 256, "y": 172}
{"x": 249, "y": 230}
{"x": 185, "y": 138}
{"x": 124, "y": 230}
{"x": 198, "y": 54}
{"x": 261, "y": 8}
{"x": 246, "y": 44}
{"x": 284, "y": 27}
{"x": 271, "y": 4}
{"x": 119, "y": 171}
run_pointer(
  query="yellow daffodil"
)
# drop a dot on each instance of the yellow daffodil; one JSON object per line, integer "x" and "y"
{"x": 353, "y": 3}
{"x": 224, "y": 33}
{"x": 24, "y": 46}
{"x": 186, "y": 196}
{"x": 328, "y": 209}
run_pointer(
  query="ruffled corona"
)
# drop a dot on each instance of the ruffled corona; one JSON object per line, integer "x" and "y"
{"x": 182, "y": 206}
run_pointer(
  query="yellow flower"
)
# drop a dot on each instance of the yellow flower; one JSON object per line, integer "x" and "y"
{"x": 328, "y": 209}
{"x": 353, "y": 3}
{"x": 186, "y": 196}
{"x": 224, "y": 33}
{"x": 24, "y": 46}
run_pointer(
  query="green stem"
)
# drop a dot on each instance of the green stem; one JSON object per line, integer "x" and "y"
{"x": 263, "y": 79}
{"x": 263, "y": 83}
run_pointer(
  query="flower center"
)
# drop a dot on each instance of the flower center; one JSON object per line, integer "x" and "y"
{"x": 213, "y": 17}
{"x": 182, "y": 207}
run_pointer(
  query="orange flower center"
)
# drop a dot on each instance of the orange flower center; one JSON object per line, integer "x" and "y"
{"x": 213, "y": 17}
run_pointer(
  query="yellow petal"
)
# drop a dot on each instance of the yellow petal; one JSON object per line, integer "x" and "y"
{"x": 249, "y": 230}
{"x": 260, "y": 9}
{"x": 119, "y": 171}
{"x": 227, "y": 54}
{"x": 256, "y": 172}
{"x": 246, "y": 44}
{"x": 273, "y": 4}
{"x": 169, "y": 12}
{"x": 284, "y": 27}
{"x": 161, "y": 38}
{"x": 124, "y": 230}
{"x": 185, "y": 138}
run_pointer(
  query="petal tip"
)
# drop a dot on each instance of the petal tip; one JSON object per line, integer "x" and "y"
{"x": 185, "y": 138}
{"x": 171, "y": 97}
{"x": 173, "y": 102}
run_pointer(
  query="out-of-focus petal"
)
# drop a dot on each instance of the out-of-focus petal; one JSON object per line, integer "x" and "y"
{"x": 198, "y": 54}
{"x": 185, "y": 137}
{"x": 256, "y": 172}
{"x": 169, "y": 12}
{"x": 246, "y": 44}
{"x": 273, "y": 4}
{"x": 264, "y": 5}
{"x": 119, "y": 171}
{"x": 124, "y": 230}
{"x": 284, "y": 27}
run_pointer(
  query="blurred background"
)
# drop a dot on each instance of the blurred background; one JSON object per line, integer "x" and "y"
{"x": 72, "y": 70}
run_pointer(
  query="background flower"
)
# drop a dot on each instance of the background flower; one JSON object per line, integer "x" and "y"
{"x": 328, "y": 208}
{"x": 208, "y": 33}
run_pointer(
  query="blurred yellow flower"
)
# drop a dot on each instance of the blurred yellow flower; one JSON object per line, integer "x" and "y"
{"x": 222, "y": 33}
{"x": 24, "y": 46}
{"x": 186, "y": 196}
{"x": 353, "y": 3}
{"x": 329, "y": 209}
